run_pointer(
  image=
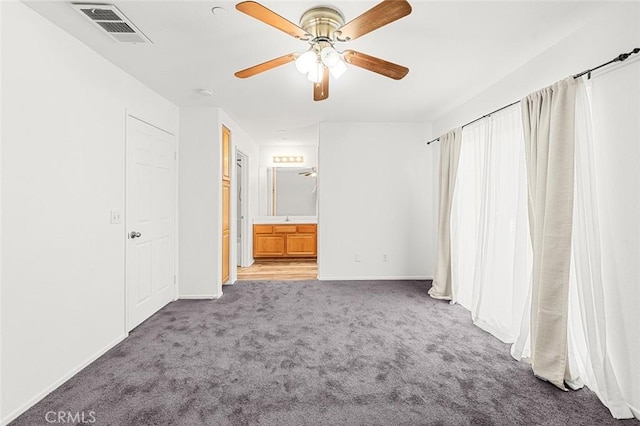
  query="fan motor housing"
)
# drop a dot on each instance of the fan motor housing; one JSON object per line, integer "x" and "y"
{"x": 321, "y": 21}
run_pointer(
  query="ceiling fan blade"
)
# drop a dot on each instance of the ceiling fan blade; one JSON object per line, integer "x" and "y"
{"x": 261, "y": 13}
{"x": 377, "y": 65}
{"x": 266, "y": 66}
{"x": 321, "y": 90}
{"x": 378, "y": 16}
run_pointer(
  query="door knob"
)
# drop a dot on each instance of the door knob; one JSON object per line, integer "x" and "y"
{"x": 135, "y": 234}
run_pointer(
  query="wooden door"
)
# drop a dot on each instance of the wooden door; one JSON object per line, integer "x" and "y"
{"x": 150, "y": 220}
{"x": 226, "y": 202}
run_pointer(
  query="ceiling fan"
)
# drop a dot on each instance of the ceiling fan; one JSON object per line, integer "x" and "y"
{"x": 322, "y": 27}
{"x": 310, "y": 172}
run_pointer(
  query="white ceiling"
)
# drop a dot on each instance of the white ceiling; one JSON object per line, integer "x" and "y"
{"x": 453, "y": 49}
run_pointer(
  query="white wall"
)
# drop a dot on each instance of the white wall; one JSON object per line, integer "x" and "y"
{"x": 375, "y": 196}
{"x": 63, "y": 167}
{"x": 200, "y": 205}
{"x": 199, "y": 186}
{"x": 614, "y": 31}
{"x": 1, "y": 161}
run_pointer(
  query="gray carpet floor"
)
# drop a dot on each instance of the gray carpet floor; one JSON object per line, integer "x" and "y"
{"x": 316, "y": 353}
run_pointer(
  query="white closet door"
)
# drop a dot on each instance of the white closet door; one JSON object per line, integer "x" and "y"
{"x": 150, "y": 220}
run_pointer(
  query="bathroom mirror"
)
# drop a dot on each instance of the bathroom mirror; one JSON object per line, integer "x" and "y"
{"x": 291, "y": 191}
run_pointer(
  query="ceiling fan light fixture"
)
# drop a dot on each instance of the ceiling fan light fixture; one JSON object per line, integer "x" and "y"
{"x": 306, "y": 61}
{"x": 329, "y": 56}
{"x": 316, "y": 73}
{"x": 338, "y": 69}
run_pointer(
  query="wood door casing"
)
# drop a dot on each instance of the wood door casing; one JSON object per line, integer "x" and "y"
{"x": 226, "y": 203}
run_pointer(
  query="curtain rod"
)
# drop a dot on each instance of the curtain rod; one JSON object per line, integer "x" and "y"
{"x": 480, "y": 118}
{"x": 620, "y": 58}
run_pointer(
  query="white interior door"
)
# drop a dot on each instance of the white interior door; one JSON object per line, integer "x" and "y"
{"x": 150, "y": 220}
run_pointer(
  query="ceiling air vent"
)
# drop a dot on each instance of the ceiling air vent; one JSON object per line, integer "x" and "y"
{"x": 110, "y": 20}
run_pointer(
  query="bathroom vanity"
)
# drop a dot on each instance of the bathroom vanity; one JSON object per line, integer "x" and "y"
{"x": 285, "y": 239}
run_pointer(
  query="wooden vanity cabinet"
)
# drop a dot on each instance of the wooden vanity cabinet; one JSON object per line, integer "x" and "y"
{"x": 285, "y": 241}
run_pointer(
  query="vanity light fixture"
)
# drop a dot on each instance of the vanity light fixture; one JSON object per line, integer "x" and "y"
{"x": 288, "y": 159}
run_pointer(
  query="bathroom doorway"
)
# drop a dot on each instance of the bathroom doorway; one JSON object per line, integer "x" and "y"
{"x": 242, "y": 182}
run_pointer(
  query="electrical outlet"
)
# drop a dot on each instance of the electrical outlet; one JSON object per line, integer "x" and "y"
{"x": 116, "y": 217}
{"x": 385, "y": 257}
{"x": 357, "y": 257}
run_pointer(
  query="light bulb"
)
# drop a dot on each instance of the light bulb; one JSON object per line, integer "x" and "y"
{"x": 338, "y": 69}
{"x": 305, "y": 61}
{"x": 329, "y": 56}
{"x": 316, "y": 73}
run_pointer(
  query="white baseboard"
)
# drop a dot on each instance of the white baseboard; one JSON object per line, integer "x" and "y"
{"x": 33, "y": 401}
{"x": 199, "y": 296}
{"x": 372, "y": 278}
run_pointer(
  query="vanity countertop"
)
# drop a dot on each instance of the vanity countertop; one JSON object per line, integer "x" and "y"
{"x": 269, "y": 220}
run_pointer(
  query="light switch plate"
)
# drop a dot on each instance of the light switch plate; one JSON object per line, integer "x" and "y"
{"x": 116, "y": 217}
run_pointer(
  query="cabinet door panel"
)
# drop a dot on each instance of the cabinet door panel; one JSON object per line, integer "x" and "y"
{"x": 226, "y": 205}
{"x": 269, "y": 245}
{"x": 226, "y": 154}
{"x": 225, "y": 256}
{"x": 301, "y": 245}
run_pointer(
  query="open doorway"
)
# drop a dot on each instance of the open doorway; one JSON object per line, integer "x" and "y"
{"x": 285, "y": 234}
{"x": 242, "y": 206}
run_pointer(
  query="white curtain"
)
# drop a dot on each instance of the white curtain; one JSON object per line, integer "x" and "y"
{"x": 615, "y": 105}
{"x": 590, "y": 346}
{"x": 449, "y": 156}
{"x": 601, "y": 329}
{"x": 491, "y": 252}
{"x": 587, "y": 205}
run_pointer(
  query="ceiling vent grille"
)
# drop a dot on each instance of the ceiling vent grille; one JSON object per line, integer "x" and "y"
{"x": 113, "y": 22}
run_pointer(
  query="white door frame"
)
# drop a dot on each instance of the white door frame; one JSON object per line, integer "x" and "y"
{"x": 246, "y": 258}
{"x": 132, "y": 115}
